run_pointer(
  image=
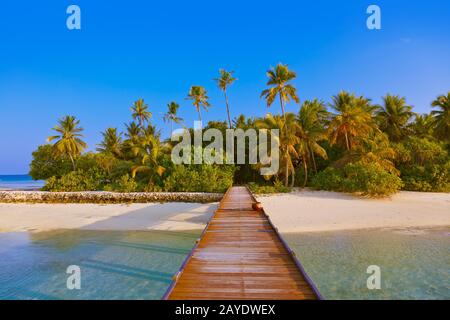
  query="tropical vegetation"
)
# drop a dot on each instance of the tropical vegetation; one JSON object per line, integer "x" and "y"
{"x": 349, "y": 145}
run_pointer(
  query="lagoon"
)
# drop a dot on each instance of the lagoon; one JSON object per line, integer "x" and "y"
{"x": 114, "y": 264}
{"x": 414, "y": 263}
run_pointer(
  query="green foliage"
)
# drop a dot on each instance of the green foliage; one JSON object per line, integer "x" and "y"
{"x": 277, "y": 187}
{"x": 46, "y": 164}
{"x": 424, "y": 165}
{"x": 124, "y": 184}
{"x": 200, "y": 178}
{"x": 79, "y": 180}
{"x": 366, "y": 179}
{"x": 430, "y": 178}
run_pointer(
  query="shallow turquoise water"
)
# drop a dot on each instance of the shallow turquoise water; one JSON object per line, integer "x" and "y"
{"x": 414, "y": 264}
{"x": 114, "y": 265}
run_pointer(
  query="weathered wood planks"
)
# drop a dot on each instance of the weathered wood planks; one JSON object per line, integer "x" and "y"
{"x": 241, "y": 256}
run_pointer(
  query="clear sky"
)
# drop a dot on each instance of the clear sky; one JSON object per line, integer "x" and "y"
{"x": 157, "y": 49}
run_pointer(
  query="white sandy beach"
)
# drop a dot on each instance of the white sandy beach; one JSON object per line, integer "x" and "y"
{"x": 305, "y": 211}
{"x": 311, "y": 211}
{"x": 153, "y": 216}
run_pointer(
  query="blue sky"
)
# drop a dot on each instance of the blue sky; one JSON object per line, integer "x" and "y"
{"x": 158, "y": 49}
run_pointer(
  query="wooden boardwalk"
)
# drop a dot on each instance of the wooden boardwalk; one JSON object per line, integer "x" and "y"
{"x": 241, "y": 256}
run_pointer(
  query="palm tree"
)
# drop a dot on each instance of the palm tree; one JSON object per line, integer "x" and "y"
{"x": 225, "y": 79}
{"x": 140, "y": 111}
{"x": 112, "y": 142}
{"x": 133, "y": 130}
{"x": 289, "y": 140}
{"x": 442, "y": 116}
{"x": 373, "y": 148}
{"x": 311, "y": 118}
{"x": 393, "y": 116}
{"x": 69, "y": 141}
{"x": 352, "y": 120}
{"x": 149, "y": 152}
{"x": 199, "y": 98}
{"x": 422, "y": 126}
{"x": 279, "y": 78}
{"x": 171, "y": 115}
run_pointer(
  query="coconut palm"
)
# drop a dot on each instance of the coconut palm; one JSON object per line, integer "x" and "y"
{"x": 133, "y": 130}
{"x": 373, "y": 148}
{"x": 423, "y": 126}
{"x": 112, "y": 142}
{"x": 199, "y": 98}
{"x": 149, "y": 152}
{"x": 442, "y": 116}
{"x": 226, "y": 78}
{"x": 279, "y": 78}
{"x": 171, "y": 115}
{"x": 140, "y": 112}
{"x": 311, "y": 118}
{"x": 68, "y": 141}
{"x": 352, "y": 120}
{"x": 289, "y": 140}
{"x": 393, "y": 116}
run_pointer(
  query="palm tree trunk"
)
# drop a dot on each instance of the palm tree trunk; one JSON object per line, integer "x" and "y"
{"x": 305, "y": 167}
{"x": 286, "y": 172}
{"x": 347, "y": 141}
{"x": 199, "y": 114}
{"x": 73, "y": 162}
{"x": 293, "y": 178}
{"x": 314, "y": 161}
{"x": 228, "y": 108}
{"x": 282, "y": 108}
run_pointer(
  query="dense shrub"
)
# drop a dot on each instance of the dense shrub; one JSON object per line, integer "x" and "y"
{"x": 46, "y": 165}
{"x": 79, "y": 180}
{"x": 363, "y": 178}
{"x": 431, "y": 178}
{"x": 200, "y": 178}
{"x": 123, "y": 184}
{"x": 424, "y": 165}
{"x": 277, "y": 187}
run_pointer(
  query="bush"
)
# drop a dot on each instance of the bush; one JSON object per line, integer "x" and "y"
{"x": 277, "y": 187}
{"x": 366, "y": 179}
{"x": 429, "y": 178}
{"x": 124, "y": 184}
{"x": 79, "y": 180}
{"x": 424, "y": 165}
{"x": 46, "y": 165}
{"x": 200, "y": 178}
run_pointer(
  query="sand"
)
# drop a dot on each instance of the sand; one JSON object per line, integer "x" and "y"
{"x": 154, "y": 216}
{"x": 305, "y": 211}
{"x": 312, "y": 211}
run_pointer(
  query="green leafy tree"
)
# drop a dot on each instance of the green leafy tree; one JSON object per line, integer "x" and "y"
{"x": 279, "y": 82}
{"x": 289, "y": 140}
{"x": 312, "y": 117}
{"x": 423, "y": 126}
{"x": 149, "y": 152}
{"x": 171, "y": 115}
{"x": 442, "y": 117}
{"x": 199, "y": 98}
{"x": 352, "y": 119}
{"x": 226, "y": 79}
{"x": 68, "y": 140}
{"x": 140, "y": 112}
{"x": 111, "y": 143}
{"x": 393, "y": 117}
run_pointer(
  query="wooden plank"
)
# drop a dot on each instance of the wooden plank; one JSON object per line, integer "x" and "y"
{"x": 241, "y": 257}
